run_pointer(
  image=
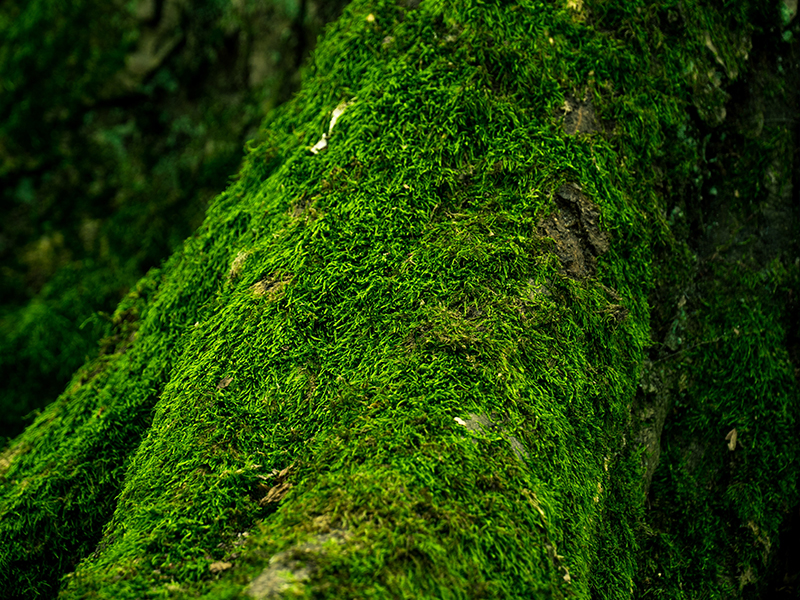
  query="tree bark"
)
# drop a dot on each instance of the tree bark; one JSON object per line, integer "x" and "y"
{"x": 503, "y": 307}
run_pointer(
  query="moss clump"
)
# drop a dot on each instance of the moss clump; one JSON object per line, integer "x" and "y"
{"x": 308, "y": 370}
{"x": 729, "y": 457}
{"x": 740, "y": 382}
{"x": 118, "y": 123}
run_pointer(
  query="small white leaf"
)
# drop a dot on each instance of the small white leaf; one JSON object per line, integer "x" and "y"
{"x": 320, "y": 145}
{"x": 338, "y": 112}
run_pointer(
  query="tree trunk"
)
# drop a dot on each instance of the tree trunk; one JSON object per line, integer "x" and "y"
{"x": 504, "y": 307}
{"x": 119, "y": 122}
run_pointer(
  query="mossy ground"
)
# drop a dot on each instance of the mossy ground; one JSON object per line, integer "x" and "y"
{"x": 301, "y": 370}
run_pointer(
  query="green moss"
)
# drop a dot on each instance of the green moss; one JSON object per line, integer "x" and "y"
{"x": 303, "y": 369}
{"x": 741, "y": 379}
{"x": 735, "y": 369}
{"x": 119, "y": 123}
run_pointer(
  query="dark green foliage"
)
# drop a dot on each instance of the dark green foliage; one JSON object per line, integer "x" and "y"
{"x": 736, "y": 365}
{"x": 740, "y": 378}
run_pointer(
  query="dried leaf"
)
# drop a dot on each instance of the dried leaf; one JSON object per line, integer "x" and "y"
{"x": 219, "y": 566}
{"x": 224, "y": 382}
{"x": 731, "y": 439}
{"x": 337, "y": 112}
{"x": 320, "y": 145}
{"x": 275, "y": 493}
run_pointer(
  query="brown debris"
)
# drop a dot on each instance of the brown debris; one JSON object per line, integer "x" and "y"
{"x": 575, "y": 229}
{"x": 219, "y": 566}
{"x": 272, "y": 494}
{"x": 731, "y": 438}
{"x": 275, "y": 494}
{"x": 580, "y": 116}
{"x": 271, "y": 286}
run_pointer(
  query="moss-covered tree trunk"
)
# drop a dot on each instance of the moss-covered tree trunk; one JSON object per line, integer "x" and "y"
{"x": 497, "y": 310}
{"x": 119, "y": 121}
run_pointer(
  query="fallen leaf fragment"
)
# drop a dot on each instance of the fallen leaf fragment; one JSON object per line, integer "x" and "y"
{"x": 320, "y": 145}
{"x": 731, "y": 439}
{"x": 219, "y": 566}
{"x": 224, "y": 382}
{"x": 337, "y": 112}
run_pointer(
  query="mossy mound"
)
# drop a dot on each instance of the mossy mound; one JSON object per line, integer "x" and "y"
{"x": 118, "y": 123}
{"x": 403, "y": 355}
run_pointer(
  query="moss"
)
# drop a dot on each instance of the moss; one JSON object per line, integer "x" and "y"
{"x": 735, "y": 369}
{"x": 119, "y": 123}
{"x": 741, "y": 379}
{"x": 303, "y": 369}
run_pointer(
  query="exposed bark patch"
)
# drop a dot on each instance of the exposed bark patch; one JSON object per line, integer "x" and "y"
{"x": 580, "y": 116}
{"x": 273, "y": 487}
{"x": 575, "y": 229}
{"x": 290, "y": 570}
{"x": 653, "y": 402}
{"x": 272, "y": 286}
